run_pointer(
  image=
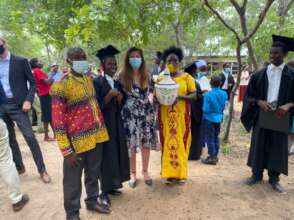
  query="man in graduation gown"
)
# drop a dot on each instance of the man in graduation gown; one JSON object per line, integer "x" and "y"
{"x": 115, "y": 164}
{"x": 272, "y": 84}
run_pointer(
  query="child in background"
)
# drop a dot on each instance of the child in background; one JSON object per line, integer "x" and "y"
{"x": 213, "y": 106}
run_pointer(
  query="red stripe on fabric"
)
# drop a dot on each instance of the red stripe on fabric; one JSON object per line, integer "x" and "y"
{"x": 188, "y": 124}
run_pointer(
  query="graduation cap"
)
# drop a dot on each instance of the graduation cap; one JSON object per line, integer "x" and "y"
{"x": 287, "y": 41}
{"x": 190, "y": 68}
{"x": 108, "y": 51}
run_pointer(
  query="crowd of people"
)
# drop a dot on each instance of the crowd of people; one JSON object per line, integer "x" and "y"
{"x": 102, "y": 121}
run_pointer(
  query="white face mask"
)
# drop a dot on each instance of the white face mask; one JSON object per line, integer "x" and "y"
{"x": 80, "y": 66}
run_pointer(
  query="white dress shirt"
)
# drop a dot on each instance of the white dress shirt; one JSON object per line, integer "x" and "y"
{"x": 274, "y": 75}
{"x": 204, "y": 83}
{"x": 4, "y": 75}
{"x": 225, "y": 86}
{"x": 110, "y": 81}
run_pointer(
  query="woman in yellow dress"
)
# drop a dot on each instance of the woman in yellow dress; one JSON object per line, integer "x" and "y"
{"x": 174, "y": 121}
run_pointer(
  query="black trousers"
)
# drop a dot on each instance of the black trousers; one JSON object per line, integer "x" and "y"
{"x": 274, "y": 176}
{"x": 12, "y": 112}
{"x": 90, "y": 163}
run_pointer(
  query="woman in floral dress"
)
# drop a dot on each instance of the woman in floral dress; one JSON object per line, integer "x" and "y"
{"x": 138, "y": 113}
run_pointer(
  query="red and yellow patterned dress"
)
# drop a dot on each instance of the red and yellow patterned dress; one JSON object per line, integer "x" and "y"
{"x": 175, "y": 131}
{"x": 77, "y": 119}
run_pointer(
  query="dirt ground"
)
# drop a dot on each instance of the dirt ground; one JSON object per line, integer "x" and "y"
{"x": 211, "y": 192}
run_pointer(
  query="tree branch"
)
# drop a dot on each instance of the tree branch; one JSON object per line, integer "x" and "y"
{"x": 287, "y": 8}
{"x": 259, "y": 22}
{"x": 221, "y": 19}
{"x": 244, "y": 4}
{"x": 236, "y": 5}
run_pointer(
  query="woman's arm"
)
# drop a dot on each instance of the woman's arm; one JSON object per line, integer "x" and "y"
{"x": 190, "y": 97}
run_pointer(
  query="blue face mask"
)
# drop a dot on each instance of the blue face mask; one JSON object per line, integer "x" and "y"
{"x": 200, "y": 75}
{"x": 80, "y": 66}
{"x": 227, "y": 70}
{"x": 135, "y": 62}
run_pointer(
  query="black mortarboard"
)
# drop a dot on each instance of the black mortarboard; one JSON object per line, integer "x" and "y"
{"x": 109, "y": 51}
{"x": 287, "y": 41}
{"x": 190, "y": 68}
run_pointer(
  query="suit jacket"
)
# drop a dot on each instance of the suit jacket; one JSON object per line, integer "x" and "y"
{"x": 20, "y": 74}
{"x": 231, "y": 81}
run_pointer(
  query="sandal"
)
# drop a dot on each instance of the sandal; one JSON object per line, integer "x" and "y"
{"x": 133, "y": 180}
{"x": 147, "y": 179}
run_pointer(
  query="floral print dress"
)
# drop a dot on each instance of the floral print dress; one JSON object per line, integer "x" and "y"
{"x": 139, "y": 119}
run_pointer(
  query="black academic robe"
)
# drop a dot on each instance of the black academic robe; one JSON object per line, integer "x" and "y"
{"x": 115, "y": 163}
{"x": 196, "y": 119}
{"x": 269, "y": 149}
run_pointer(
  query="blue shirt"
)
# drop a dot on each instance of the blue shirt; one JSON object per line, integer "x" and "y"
{"x": 214, "y": 103}
{"x": 4, "y": 76}
{"x": 56, "y": 76}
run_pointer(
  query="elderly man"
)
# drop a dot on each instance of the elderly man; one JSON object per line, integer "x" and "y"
{"x": 15, "y": 72}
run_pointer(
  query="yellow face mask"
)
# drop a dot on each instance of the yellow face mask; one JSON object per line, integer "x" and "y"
{"x": 171, "y": 68}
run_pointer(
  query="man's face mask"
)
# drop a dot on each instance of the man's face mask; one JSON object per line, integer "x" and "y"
{"x": 227, "y": 70}
{"x": 2, "y": 49}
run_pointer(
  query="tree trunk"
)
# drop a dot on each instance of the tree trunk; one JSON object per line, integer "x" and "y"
{"x": 178, "y": 28}
{"x": 231, "y": 109}
{"x": 48, "y": 54}
{"x": 251, "y": 51}
{"x": 283, "y": 8}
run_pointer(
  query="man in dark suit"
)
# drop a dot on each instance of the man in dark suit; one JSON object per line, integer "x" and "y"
{"x": 227, "y": 80}
{"x": 15, "y": 73}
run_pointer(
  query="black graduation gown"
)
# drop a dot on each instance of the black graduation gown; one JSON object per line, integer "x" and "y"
{"x": 269, "y": 149}
{"x": 196, "y": 119}
{"x": 115, "y": 163}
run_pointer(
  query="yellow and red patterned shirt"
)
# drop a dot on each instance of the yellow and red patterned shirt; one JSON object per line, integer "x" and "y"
{"x": 76, "y": 116}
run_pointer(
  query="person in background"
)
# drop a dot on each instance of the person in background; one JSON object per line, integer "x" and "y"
{"x": 291, "y": 136}
{"x": 36, "y": 106}
{"x": 214, "y": 103}
{"x": 80, "y": 131}
{"x": 43, "y": 87}
{"x": 175, "y": 121}
{"x": 196, "y": 117}
{"x": 15, "y": 73}
{"x": 157, "y": 64}
{"x": 54, "y": 73}
{"x": 272, "y": 84}
{"x": 115, "y": 163}
{"x": 227, "y": 80}
{"x": 243, "y": 83}
{"x": 201, "y": 76}
{"x": 138, "y": 113}
{"x": 8, "y": 171}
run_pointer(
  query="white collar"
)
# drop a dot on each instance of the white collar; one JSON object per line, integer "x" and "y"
{"x": 109, "y": 80}
{"x": 272, "y": 66}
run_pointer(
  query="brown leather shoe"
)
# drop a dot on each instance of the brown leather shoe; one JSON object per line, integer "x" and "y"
{"x": 45, "y": 177}
{"x": 18, "y": 206}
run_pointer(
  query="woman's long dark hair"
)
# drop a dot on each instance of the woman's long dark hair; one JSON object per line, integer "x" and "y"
{"x": 127, "y": 77}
